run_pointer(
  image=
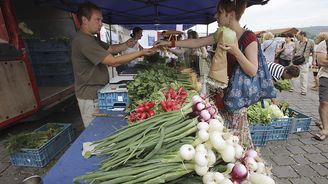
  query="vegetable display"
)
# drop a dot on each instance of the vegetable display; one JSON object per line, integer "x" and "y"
{"x": 282, "y": 85}
{"x": 168, "y": 146}
{"x": 257, "y": 114}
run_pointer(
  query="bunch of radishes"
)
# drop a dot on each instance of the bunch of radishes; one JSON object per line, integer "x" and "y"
{"x": 142, "y": 112}
{"x": 173, "y": 99}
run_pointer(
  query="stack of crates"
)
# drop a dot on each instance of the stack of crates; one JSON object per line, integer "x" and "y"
{"x": 51, "y": 62}
{"x": 113, "y": 97}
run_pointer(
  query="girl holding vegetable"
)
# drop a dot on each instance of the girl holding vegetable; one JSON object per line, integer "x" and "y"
{"x": 228, "y": 15}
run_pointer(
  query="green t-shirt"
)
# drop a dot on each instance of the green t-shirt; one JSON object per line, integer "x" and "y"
{"x": 89, "y": 73}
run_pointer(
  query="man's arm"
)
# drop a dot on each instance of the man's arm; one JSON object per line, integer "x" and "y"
{"x": 322, "y": 59}
{"x": 117, "y": 61}
{"x": 116, "y": 48}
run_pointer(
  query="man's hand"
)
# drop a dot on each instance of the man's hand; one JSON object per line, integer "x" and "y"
{"x": 162, "y": 43}
{"x": 148, "y": 52}
{"x": 130, "y": 42}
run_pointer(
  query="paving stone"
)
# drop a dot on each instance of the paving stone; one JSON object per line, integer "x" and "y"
{"x": 316, "y": 158}
{"x": 282, "y": 181}
{"x": 322, "y": 170}
{"x": 284, "y": 172}
{"x": 301, "y": 181}
{"x": 309, "y": 141}
{"x": 268, "y": 161}
{"x": 293, "y": 136}
{"x": 314, "y": 128}
{"x": 305, "y": 135}
{"x": 311, "y": 149}
{"x": 322, "y": 147}
{"x": 265, "y": 151}
{"x": 295, "y": 142}
{"x": 283, "y": 160}
{"x": 299, "y": 159}
{"x": 326, "y": 165}
{"x": 277, "y": 144}
{"x": 295, "y": 150}
{"x": 280, "y": 151}
{"x": 305, "y": 170}
{"x": 320, "y": 180}
{"x": 4, "y": 166}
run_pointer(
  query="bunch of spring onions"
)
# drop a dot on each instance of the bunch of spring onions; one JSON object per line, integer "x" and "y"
{"x": 170, "y": 145}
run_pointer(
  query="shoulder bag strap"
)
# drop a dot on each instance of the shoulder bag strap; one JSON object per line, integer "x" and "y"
{"x": 305, "y": 47}
{"x": 268, "y": 46}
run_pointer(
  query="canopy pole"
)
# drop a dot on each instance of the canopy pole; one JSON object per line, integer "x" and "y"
{"x": 207, "y": 30}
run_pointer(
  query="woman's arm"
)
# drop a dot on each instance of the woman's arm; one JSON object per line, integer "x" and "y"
{"x": 189, "y": 43}
{"x": 322, "y": 59}
{"x": 249, "y": 61}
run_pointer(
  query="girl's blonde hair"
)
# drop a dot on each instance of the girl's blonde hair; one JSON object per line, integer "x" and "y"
{"x": 321, "y": 36}
{"x": 268, "y": 36}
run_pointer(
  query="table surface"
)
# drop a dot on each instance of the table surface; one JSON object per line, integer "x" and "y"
{"x": 72, "y": 163}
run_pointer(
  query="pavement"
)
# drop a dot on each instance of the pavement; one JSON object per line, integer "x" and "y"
{"x": 298, "y": 160}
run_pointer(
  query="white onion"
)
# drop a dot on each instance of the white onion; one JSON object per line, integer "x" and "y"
{"x": 215, "y": 125}
{"x": 208, "y": 145}
{"x": 211, "y": 158}
{"x": 203, "y": 135}
{"x": 256, "y": 178}
{"x": 187, "y": 152}
{"x": 200, "y": 159}
{"x": 218, "y": 177}
{"x": 228, "y": 154}
{"x": 217, "y": 141}
{"x": 239, "y": 151}
{"x": 227, "y": 181}
{"x": 201, "y": 170}
{"x": 208, "y": 177}
{"x": 260, "y": 167}
{"x": 201, "y": 148}
{"x": 229, "y": 168}
{"x": 203, "y": 126}
{"x": 250, "y": 163}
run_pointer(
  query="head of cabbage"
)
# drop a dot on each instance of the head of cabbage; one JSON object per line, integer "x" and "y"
{"x": 228, "y": 35}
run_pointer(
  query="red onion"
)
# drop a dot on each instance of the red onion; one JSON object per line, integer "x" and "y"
{"x": 200, "y": 106}
{"x": 195, "y": 99}
{"x": 251, "y": 153}
{"x": 205, "y": 115}
{"x": 239, "y": 172}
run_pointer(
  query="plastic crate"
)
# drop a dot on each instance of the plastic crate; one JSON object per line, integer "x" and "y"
{"x": 54, "y": 80}
{"x": 42, "y": 156}
{"x": 259, "y": 134}
{"x": 34, "y": 45}
{"x": 112, "y": 97}
{"x": 50, "y": 57}
{"x": 53, "y": 69}
{"x": 278, "y": 129}
{"x": 300, "y": 122}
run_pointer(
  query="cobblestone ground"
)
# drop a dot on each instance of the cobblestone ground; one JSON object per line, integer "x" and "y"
{"x": 301, "y": 159}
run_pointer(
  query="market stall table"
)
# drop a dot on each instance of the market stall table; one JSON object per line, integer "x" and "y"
{"x": 72, "y": 164}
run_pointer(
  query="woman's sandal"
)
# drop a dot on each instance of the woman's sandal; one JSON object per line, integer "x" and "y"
{"x": 321, "y": 136}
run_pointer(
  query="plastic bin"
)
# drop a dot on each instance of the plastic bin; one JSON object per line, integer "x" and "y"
{"x": 35, "y": 45}
{"x": 278, "y": 129}
{"x": 55, "y": 80}
{"x": 300, "y": 122}
{"x": 47, "y": 57}
{"x": 113, "y": 97}
{"x": 42, "y": 156}
{"x": 53, "y": 69}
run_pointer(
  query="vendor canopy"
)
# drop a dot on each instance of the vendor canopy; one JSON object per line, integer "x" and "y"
{"x": 153, "y": 13}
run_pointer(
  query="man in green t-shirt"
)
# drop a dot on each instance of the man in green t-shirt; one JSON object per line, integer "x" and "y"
{"x": 90, "y": 57}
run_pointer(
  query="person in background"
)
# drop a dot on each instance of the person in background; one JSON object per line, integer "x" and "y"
{"x": 136, "y": 35}
{"x": 228, "y": 14}
{"x": 279, "y": 72}
{"x": 322, "y": 56}
{"x": 90, "y": 57}
{"x": 269, "y": 47}
{"x": 308, "y": 45}
{"x": 286, "y": 50}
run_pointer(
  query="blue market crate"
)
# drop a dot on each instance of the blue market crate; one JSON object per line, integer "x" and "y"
{"x": 259, "y": 134}
{"x": 34, "y": 45}
{"x": 55, "y": 80}
{"x": 53, "y": 69}
{"x": 279, "y": 129}
{"x": 300, "y": 122}
{"x": 42, "y": 156}
{"x": 112, "y": 97}
{"x": 48, "y": 57}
